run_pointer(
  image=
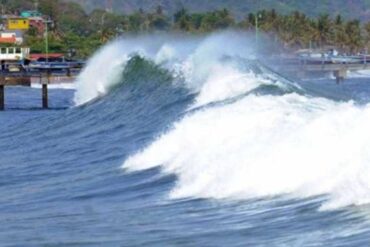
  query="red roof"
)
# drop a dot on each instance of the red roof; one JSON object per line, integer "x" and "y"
{"x": 8, "y": 40}
{"x": 43, "y": 55}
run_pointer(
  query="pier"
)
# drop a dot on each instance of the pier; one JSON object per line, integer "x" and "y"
{"x": 24, "y": 78}
{"x": 304, "y": 68}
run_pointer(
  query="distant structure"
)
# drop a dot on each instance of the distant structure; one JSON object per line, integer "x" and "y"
{"x": 18, "y": 23}
{"x": 13, "y": 27}
{"x": 38, "y": 23}
{"x": 12, "y": 54}
{"x": 36, "y": 20}
{"x": 18, "y": 65}
{"x": 8, "y": 38}
{"x": 12, "y": 30}
{"x": 14, "y": 38}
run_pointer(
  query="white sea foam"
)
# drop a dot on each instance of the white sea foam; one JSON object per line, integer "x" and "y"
{"x": 359, "y": 74}
{"x": 257, "y": 146}
{"x": 196, "y": 59}
{"x": 105, "y": 68}
{"x": 267, "y": 146}
{"x": 101, "y": 72}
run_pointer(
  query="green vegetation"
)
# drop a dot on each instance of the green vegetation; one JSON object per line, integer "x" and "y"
{"x": 74, "y": 29}
{"x": 313, "y": 8}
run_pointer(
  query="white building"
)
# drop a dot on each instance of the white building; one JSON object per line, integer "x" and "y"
{"x": 14, "y": 53}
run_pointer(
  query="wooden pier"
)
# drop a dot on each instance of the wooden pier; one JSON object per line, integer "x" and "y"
{"x": 44, "y": 77}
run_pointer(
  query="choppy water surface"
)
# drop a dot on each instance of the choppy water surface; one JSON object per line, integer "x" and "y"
{"x": 179, "y": 141}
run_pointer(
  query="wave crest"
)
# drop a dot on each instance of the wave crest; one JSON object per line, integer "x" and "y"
{"x": 267, "y": 146}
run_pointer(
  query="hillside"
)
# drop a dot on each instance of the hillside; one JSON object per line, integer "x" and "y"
{"x": 348, "y": 8}
{"x": 81, "y": 33}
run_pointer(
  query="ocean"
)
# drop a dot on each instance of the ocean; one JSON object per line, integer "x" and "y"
{"x": 186, "y": 141}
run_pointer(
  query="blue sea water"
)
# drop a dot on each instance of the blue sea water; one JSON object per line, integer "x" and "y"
{"x": 154, "y": 162}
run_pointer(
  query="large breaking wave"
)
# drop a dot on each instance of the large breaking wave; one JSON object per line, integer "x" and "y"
{"x": 249, "y": 133}
{"x": 199, "y": 61}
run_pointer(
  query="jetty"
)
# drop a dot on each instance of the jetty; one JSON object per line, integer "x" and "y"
{"x": 306, "y": 66}
{"x": 18, "y": 67}
{"x": 339, "y": 71}
{"x": 43, "y": 76}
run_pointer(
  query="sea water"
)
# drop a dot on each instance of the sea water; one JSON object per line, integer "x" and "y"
{"x": 186, "y": 141}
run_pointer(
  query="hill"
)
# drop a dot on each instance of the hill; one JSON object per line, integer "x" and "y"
{"x": 359, "y": 9}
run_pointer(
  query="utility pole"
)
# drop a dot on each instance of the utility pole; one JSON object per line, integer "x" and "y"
{"x": 47, "y": 39}
{"x": 37, "y": 5}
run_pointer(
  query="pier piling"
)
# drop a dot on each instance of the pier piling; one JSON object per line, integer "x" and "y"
{"x": 340, "y": 75}
{"x": 2, "y": 98}
{"x": 46, "y": 76}
{"x": 45, "y": 103}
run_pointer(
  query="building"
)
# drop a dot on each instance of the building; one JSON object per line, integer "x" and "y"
{"x": 11, "y": 38}
{"x": 36, "y": 20}
{"x": 14, "y": 53}
{"x": 18, "y": 23}
{"x": 38, "y": 23}
{"x": 8, "y": 38}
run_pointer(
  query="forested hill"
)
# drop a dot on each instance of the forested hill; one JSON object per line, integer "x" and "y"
{"x": 359, "y": 9}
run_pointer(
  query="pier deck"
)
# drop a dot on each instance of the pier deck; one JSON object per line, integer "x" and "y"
{"x": 326, "y": 67}
{"x": 304, "y": 68}
{"x": 23, "y": 78}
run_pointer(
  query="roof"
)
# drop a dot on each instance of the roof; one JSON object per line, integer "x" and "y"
{"x": 8, "y": 40}
{"x": 7, "y": 33}
{"x": 30, "y": 13}
{"x": 36, "y": 18}
{"x": 43, "y": 55}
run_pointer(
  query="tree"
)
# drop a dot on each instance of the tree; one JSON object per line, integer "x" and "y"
{"x": 354, "y": 37}
{"x": 324, "y": 28}
{"x": 182, "y": 20}
{"x": 158, "y": 21}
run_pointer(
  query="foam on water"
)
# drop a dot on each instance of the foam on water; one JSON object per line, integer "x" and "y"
{"x": 257, "y": 146}
{"x": 267, "y": 146}
{"x": 101, "y": 72}
{"x": 359, "y": 74}
{"x": 225, "y": 82}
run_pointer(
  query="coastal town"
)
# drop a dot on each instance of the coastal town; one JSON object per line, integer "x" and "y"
{"x": 14, "y": 55}
{"x": 22, "y": 67}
